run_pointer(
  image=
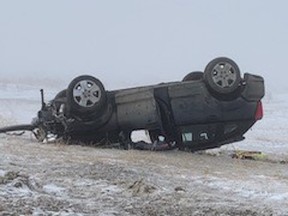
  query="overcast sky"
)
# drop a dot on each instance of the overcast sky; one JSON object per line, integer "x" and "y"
{"x": 132, "y": 42}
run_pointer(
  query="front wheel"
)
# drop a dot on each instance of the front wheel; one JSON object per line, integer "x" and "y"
{"x": 86, "y": 95}
{"x": 222, "y": 75}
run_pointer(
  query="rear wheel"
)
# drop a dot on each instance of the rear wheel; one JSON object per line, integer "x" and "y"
{"x": 86, "y": 95}
{"x": 222, "y": 75}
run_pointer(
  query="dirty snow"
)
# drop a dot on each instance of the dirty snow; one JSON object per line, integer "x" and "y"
{"x": 60, "y": 179}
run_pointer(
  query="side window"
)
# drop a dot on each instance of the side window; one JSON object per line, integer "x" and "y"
{"x": 187, "y": 137}
{"x": 203, "y": 136}
{"x": 198, "y": 134}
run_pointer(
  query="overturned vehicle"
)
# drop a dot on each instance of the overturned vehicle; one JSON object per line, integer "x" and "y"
{"x": 204, "y": 110}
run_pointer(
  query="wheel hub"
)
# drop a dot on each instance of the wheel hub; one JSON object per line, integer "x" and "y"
{"x": 86, "y": 93}
{"x": 224, "y": 75}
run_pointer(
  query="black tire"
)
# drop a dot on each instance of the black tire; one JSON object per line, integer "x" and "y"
{"x": 61, "y": 94}
{"x": 85, "y": 95}
{"x": 60, "y": 99}
{"x": 222, "y": 75}
{"x": 195, "y": 75}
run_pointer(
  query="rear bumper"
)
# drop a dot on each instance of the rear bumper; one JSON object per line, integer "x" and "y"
{"x": 254, "y": 88}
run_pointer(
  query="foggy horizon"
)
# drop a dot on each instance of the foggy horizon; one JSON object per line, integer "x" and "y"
{"x": 129, "y": 43}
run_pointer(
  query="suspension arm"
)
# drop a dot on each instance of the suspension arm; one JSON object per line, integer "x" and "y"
{"x": 24, "y": 127}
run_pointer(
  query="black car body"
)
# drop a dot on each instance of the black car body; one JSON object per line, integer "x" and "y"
{"x": 204, "y": 110}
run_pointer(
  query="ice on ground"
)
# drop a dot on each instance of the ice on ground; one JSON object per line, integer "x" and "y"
{"x": 2, "y": 173}
{"x": 53, "y": 189}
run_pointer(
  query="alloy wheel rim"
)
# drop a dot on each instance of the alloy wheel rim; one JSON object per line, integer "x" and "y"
{"x": 86, "y": 93}
{"x": 224, "y": 75}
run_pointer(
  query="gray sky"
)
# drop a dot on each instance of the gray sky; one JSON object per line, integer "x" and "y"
{"x": 132, "y": 42}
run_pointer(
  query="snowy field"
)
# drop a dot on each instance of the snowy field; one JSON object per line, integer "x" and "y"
{"x": 57, "y": 179}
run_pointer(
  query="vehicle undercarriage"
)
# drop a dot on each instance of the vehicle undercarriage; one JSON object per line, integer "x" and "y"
{"x": 204, "y": 110}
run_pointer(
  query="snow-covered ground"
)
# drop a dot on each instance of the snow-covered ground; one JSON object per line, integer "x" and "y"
{"x": 57, "y": 179}
{"x": 20, "y": 103}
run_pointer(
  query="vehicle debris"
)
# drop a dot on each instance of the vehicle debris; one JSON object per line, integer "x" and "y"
{"x": 250, "y": 155}
{"x": 155, "y": 146}
{"x": 205, "y": 110}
